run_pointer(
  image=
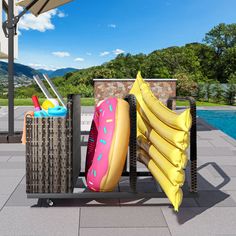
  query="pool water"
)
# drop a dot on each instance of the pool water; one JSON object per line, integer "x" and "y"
{"x": 223, "y": 120}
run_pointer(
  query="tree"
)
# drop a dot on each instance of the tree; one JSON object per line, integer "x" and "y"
{"x": 103, "y": 73}
{"x": 230, "y": 93}
{"x": 221, "y": 37}
{"x": 126, "y": 66}
{"x": 206, "y": 57}
{"x": 217, "y": 92}
{"x": 208, "y": 89}
{"x": 185, "y": 85}
{"x": 27, "y": 92}
{"x": 167, "y": 62}
{"x": 201, "y": 93}
{"x": 228, "y": 62}
{"x": 68, "y": 75}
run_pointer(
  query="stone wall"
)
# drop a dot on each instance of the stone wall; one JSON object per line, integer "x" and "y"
{"x": 104, "y": 88}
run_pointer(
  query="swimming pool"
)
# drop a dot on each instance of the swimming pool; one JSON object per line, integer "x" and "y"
{"x": 224, "y": 120}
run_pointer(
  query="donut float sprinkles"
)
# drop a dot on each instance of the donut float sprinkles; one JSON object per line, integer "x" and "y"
{"x": 107, "y": 145}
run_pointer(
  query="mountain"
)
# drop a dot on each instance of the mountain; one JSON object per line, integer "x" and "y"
{"x": 56, "y": 73}
{"x": 48, "y": 72}
{"x": 19, "y": 70}
{"x": 23, "y": 74}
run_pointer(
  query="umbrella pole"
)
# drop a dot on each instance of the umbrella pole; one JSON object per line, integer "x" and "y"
{"x": 9, "y": 28}
{"x": 11, "y": 34}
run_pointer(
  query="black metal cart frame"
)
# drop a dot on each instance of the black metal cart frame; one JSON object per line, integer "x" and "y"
{"x": 193, "y": 138}
{"x": 72, "y": 169}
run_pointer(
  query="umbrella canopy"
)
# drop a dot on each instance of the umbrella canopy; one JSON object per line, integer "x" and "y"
{"x": 3, "y": 55}
{"x": 42, "y": 6}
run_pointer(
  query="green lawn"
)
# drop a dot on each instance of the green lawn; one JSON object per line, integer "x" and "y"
{"x": 28, "y": 101}
{"x": 207, "y": 104}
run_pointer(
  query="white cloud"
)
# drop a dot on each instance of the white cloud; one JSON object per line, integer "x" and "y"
{"x": 34, "y": 65}
{"x": 41, "y": 66}
{"x": 112, "y": 26}
{"x": 61, "y": 14}
{"x": 61, "y": 54}
{"x": 103, "y": 54}
{"x": 41, "y": 23}
{"x": 79, "y": 59}
{"x": 118, "y": 51}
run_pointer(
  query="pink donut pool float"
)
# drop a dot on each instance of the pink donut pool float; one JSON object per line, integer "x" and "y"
{"x": 107, "y": 145}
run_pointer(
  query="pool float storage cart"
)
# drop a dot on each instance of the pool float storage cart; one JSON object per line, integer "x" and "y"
{"x": 53, "y": 156}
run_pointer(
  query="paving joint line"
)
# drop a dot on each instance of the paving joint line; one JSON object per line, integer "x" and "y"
{"x": 126, "y": 227}
{"x": 79, "y": 221}
{"x": 12, "y": 194}
{"x": 9, "y": 158}
{"x": 166, "y": 221}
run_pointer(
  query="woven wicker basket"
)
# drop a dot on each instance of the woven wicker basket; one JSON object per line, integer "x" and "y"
{"x": 49, "y": 154}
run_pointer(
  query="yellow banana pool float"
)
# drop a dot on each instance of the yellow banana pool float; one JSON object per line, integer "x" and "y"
{"x": 162, "y": 139}
{"x": 175, "y": 175}
{"x": 175, "y": 155}
{"x": 182, "y": 121}
{"x": 178, "y": 138}
{"x": 174, "y": 193}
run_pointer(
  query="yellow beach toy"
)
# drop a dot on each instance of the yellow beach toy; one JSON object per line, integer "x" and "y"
{"x": 162, "y": 139}
{"x": 47, "y": 104}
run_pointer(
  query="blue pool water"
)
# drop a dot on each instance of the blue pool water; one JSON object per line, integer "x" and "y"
{"x": 223, "y": 120}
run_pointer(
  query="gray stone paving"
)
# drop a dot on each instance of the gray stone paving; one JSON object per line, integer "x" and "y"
{"x": 211, "y": 212}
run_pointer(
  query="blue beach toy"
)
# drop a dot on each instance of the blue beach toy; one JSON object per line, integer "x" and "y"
{"x": 57, "y": 111}
{"x": 40, "y": 114}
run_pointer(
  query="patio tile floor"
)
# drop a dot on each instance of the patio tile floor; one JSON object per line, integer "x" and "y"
{"x": 205, "y": 221}
{"x": 160, "y": 231}
{"x": 121, "y": 217}
{"x": 39, "y": 221}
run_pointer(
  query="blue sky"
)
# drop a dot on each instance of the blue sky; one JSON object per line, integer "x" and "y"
{"x": 84, "y": 33}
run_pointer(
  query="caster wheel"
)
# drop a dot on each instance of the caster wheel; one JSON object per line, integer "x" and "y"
{"x": 49, "y": 202}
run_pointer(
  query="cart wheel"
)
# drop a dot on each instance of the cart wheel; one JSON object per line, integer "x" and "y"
{"x": 49, "y": 202}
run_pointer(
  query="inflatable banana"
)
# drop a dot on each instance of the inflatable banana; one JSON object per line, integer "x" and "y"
{"x": 162, "y": 139}
{"x": 174, "y": 155}
{"x": 174, "y": 193}
{"x": 181, "y": 121}
{"x": 175, "y": 175}
{"x": 178, "y": 138}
